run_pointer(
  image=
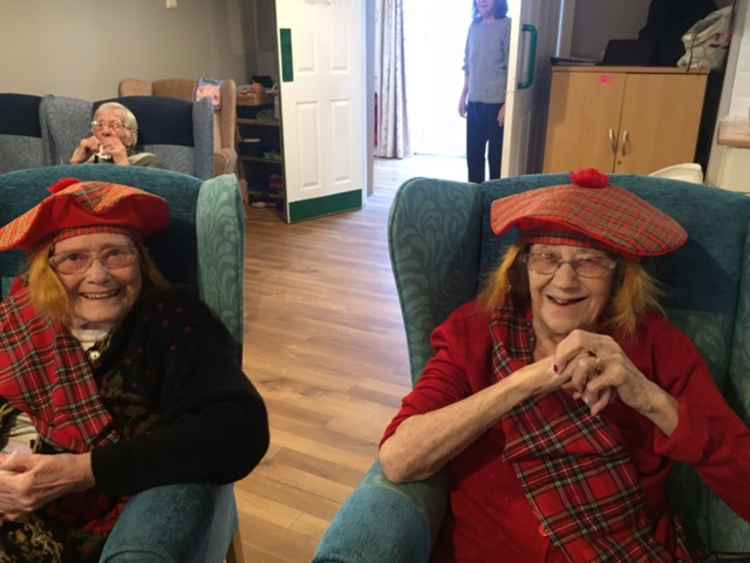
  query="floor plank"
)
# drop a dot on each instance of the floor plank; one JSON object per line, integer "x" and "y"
{"x": 325, "y": 345}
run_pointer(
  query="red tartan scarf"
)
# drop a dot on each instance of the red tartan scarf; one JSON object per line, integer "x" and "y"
{"x": 44, "y": 372}
{"x": 573, "y": 467}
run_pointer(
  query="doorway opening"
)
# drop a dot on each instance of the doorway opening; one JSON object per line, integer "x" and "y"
{"x": 434, "y": 45}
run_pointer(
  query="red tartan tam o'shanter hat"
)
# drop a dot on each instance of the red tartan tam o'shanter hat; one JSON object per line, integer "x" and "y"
{"x": 76, "y": 207}
{"x": 591, "y": 213}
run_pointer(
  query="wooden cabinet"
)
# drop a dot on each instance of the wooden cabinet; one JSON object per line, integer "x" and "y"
{"x": 630, "y": 120}
{"x": 259, "y": 150}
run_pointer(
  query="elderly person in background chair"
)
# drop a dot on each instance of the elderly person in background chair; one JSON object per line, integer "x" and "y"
{"x": 560, "y": 399}
{"x": 130, "y": 383}
{"x": 113, "y": 140}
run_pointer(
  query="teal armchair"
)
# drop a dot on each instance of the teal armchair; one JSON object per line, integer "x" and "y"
{"x": 203, "y": 247}
{"x": 442, "y": 249}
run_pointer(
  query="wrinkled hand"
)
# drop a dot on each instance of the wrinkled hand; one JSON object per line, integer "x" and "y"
{"x": 85, "y": 149}
{"x": 114, "y": 147}
{"x": 30, "y": 481}
{"x": 542, "y": 377}
{"x": 596, "y": 364}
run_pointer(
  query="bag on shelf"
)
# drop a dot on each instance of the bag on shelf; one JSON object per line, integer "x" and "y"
{"x": 707, "y": 41}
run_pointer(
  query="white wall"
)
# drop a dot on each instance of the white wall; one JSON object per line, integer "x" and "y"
{"x": 729, "y": 167}
{"x": 83, "y": 48}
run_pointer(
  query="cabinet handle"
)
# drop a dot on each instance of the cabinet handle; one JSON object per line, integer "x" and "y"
{"x": 613, "y": 141}
{"x": 625, "y": 139}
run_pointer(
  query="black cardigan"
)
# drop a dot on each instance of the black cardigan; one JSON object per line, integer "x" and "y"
{"x": 212, "y": 423}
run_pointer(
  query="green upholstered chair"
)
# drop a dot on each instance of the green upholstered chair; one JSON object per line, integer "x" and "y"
{"x": 202, "y": 248}
{"x": 441, "y": 250}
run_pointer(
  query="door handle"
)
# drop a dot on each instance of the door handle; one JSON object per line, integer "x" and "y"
{"x": 625, "y": 139}
{"x": 613, "y": 141}
{"x": 533, "y": 34}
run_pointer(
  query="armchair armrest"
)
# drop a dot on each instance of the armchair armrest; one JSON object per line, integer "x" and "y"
{"x": 382, "y": 521}
{"x": 191, "y": 523}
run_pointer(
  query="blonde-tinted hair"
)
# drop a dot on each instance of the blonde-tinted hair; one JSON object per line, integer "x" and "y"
{"x": 48, "y": 294}
{"x": 635, "y": 293}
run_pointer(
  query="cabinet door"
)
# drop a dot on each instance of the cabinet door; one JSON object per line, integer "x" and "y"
{"x": 583, "y": 120}
{"x": 660, "y": 120}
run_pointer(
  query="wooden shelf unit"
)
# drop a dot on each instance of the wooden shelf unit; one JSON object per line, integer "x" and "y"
{"x": 256, "y": 170}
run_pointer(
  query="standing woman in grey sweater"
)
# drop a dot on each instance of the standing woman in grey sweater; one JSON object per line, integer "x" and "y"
{"x": 485, "y": 78}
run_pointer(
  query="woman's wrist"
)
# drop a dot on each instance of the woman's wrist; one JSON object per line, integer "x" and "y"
{"x": 662, "y": 409}
{"x": 83, "y": 471}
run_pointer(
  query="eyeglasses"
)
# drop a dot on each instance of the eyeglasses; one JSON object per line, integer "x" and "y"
{"x": 114, "y": 125}
{"x": 546, "y": 263}
{"x": 79, "y": 261}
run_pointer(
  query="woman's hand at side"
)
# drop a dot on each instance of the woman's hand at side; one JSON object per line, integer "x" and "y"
{"x": 501, "y": 116}
{"x": 85, "y": 149}
{"x": 424, "y": 443}
{"x": 30, "y": 481}
{"x": 596, "y": 363}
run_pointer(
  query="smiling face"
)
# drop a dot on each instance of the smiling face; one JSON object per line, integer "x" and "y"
{"x": 563, "y": 300}
{"x": 99, "y": 297}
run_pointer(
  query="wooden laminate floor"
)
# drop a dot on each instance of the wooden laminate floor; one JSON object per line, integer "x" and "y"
{"x": 325, "y": 346}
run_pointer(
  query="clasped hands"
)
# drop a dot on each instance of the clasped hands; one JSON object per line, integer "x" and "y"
{"x": 594, "y": 368}
{"x": 29, "y": 481}
{"x": 109, "y": 146}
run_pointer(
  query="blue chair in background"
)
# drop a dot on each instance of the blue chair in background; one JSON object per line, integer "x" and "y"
{"x": 442, "y": 248}
{"x": 21, "y": 142}
{"x": 203, "y": 248}
{"x": 178, "y": 132}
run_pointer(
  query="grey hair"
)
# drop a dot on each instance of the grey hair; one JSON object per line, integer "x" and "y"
{"x": 130, "y": 121}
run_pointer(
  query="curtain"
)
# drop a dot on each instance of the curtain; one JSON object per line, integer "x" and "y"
{"x": 392, "y": 124}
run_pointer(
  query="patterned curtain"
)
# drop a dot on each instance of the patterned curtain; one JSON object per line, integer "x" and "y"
{"x": 392, "y": 124}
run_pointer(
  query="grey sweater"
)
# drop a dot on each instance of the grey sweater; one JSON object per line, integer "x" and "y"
{"x": 486, "y": 60}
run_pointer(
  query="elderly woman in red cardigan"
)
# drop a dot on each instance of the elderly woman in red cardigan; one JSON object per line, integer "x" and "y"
{"x": 561, "y": 397}
{"x": 123, "y": 381}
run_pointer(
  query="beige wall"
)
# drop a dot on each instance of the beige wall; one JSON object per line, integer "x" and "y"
{"x": 83, "y": 48}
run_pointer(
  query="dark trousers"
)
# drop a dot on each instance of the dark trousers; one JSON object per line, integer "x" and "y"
{"x": 481, "y": 127}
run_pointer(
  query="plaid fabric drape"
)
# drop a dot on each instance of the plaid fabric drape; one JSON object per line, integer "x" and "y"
{"x": 45, "y": 373}
{"x": 574, "y": 469}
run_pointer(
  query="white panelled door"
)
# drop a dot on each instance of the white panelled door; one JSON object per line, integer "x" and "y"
{"x": 533, "y": 41}
{"x": 321, "y": 63}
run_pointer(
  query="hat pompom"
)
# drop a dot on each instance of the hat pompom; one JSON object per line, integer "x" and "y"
{"x": 589, "y": 178}
{"x": 60, "y": 185}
